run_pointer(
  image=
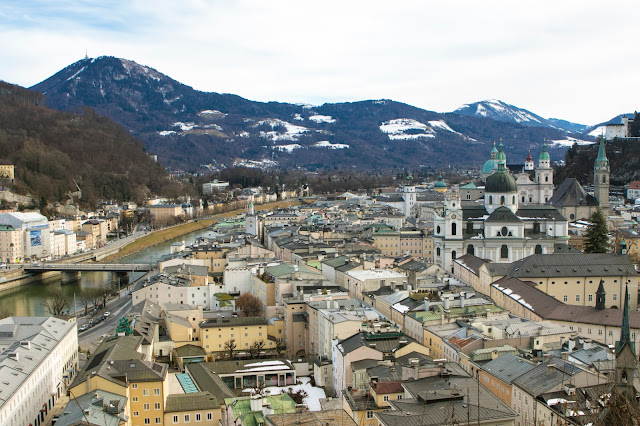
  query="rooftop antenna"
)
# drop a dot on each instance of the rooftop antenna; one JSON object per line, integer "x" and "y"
{"x": 86, "y": 55}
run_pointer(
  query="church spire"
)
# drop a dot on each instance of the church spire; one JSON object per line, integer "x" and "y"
{"x": 602, "y": 155}
{"x": 625, "y": 332}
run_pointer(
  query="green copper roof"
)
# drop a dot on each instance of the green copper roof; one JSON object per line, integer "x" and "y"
{"x": 501, "y": 156}
{"x": 625, "y": 332}
{"x": 544, "y": 155}
{"x": 440, "y": 183}
{"x": 488, "y": 167}
{"x": 494, "y": 150}
{"x": 501, "y": 181}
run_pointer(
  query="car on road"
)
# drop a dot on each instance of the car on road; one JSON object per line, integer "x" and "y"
{"x": 106, "y": 314}
{"x": 83, "y": 327}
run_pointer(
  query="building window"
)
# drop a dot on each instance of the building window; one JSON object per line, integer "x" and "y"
{"x": 175, "y": 419}
{"x": 158, "y": 420}
{"x": 198, "y": 417}
{"x": 187, "y": 419}
{"x": 438, "y": 251}
{"x": 147, "y": 421}
{"x": 135, "y": 414}
{"x": 134, "y": 386}
{"x": 504, "y": 252}
{"x": 591, "y": 298}
{"x": 369, "y": 414}
{"x": 134, "y": 399}
{"x": 156, "y": 391}
{"x": 209, "y": 416}
{"x": 385, "y": 398}
{"x": 502, "y": 200}
{"x": 470, "y": 249}
{"x": 454, "y": 229}
{"x": 145, "y": 392}
{"x": 156, "y": 406}
{"x": 399, "y": 396}
{"x": 577, "y": 297}
{"x": 615, "y": 296}
{"x": 146, "y": 407}
{"x": 538, "y": 249}
{"x": 565, "y": 298}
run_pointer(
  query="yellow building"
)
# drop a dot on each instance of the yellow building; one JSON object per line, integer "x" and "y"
{"x": 142, "y": 382}
{"x": 11, "y": 249}
{"x": 216, "y": 334}
{"x": 6, "y": 171}
{"x": 385, "y": 391}
{"x": 163, "y": 213}
{"x": 409, "y": 242}
{"x": 213, "y": 256}
{"x": 201, "y": 408}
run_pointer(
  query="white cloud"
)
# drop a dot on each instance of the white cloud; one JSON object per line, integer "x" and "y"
{"x": 558, "y": 59}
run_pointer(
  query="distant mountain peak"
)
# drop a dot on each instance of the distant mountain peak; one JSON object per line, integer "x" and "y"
{"x": 501, "y": 111}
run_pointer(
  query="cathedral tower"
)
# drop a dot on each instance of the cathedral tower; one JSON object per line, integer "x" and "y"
{"x": 601, "y": 177}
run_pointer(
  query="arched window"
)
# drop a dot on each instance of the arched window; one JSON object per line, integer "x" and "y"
{"x": 513, "y": 199}
{"x": 536, "y": 227}
{"x": 504, "y": 252}
{"x": 490, "y": 199}
{"x": 546, "y": 178}
{"x": 523, "y": 198}
{"x": 438, "y": 251}
{"x": 538, "y": 249}
{"x": 604, "y": 179}
{"x": 438, "y": 229}
{"x": 468, "y": 196}
{"x": 504, "y": 231}
{"x": 454, "y": 255}
{"x": 471, "y": 250}
{"x": 502, "y": 200}
{"x": 454, "y": 229}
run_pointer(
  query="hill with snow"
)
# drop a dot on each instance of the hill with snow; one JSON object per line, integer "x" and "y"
{"x": 187, "y": 128}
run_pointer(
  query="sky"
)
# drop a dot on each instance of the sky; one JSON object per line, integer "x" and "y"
{"x": 564, "y": 59}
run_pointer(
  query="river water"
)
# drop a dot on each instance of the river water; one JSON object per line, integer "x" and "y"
{"x": 27, "y": 300}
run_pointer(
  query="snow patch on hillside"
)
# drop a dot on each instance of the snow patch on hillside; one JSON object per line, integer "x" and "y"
{"x": 185, "y": 127}
{"x": 298, "y": 117}
{"x": 166, "y": 132}
{"x": 397, "y": 129}
{"x": 322, "y": 119}
{"x": 211, "y": 112}
{"x": 598, "y": 131}
{"x": 567, "y": 143}
{"x": 327, "y": 144}
{"x": 255, "y": 164}
{"x": 289, "y": 148}
{"x": 292, "y": 132}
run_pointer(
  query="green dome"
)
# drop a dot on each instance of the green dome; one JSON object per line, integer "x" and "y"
{"x": 440, "y": 183}
{"x": 501, "y": 156}
{"x": 488, "y": 167}
{"x": 544, "y": 155}
{"x": 500, "y": 182}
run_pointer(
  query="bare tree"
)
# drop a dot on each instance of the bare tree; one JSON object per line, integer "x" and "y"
{"x": 56, "y": 303}
{"x": 281, "y": 346}
{"x": 229, "y": 347}
{"x": 255, "y": 348}
{"x": 249, "y": 305}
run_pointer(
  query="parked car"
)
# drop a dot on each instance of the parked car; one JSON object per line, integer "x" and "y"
{"x": 83, "y": 327}
{"x": 106, "y": 314}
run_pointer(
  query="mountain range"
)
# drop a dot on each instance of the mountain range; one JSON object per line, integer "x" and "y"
{"x": 188, "y": 129}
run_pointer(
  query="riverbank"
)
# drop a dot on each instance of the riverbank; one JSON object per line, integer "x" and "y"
{"x": 167, "y": 234}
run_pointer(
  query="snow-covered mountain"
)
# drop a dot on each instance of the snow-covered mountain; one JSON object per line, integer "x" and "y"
{"x": 187, "y": 128}
{"x": 501, "y": 111}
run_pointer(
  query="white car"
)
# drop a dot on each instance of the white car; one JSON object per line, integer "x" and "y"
{"x": 106, "y": 314}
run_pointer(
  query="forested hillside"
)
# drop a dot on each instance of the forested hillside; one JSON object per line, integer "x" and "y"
{"x": 50, "y": 149}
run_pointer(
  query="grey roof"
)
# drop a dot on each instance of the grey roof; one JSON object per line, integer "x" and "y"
{"x": 385, "y": 345}
{"x": 541, "y": 379}
{"x": 231, "y": 322}
{"x": 471, "y": 262}
{"x": 503, "y": 214}
{"x": 536, "y": 212}
{"x": 100, "y": 408}
{"x": 364, "y": 364}
{"x": 206, "y": 380}
{"x": 591, "y": 355}
{"x": 191, "y": 402}
{"x": 570, "y": 264}
{"x": 507, "y": 367}
{"x": 411, "y": 413}
{"x": 571, "y": 194}
{"x": 472, "y": 210}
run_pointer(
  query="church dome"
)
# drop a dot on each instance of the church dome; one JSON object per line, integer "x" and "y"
{"x": 488, "y": 167}
{"x": 544, "y": 155}
{"x": 440, "y": 186}
{"x": 500, "y": 182}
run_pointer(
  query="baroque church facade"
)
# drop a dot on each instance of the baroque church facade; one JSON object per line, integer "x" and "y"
{"x": 511, "y": 223}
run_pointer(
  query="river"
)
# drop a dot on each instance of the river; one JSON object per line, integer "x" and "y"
{"x": 28, "y": 300}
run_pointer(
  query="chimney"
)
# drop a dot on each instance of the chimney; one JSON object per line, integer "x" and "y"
{"x": 446, "y": 302}
{"x": 426, "y": 304}
{"x": 551, "y": 368}
{"x": 461, "y": 301}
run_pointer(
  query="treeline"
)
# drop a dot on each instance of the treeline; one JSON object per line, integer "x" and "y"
{"x": 624, "y": 161}
{"x": 52, "y": 151}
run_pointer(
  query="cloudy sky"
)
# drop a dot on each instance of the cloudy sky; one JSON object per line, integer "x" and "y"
{"x": 574, "y": 60}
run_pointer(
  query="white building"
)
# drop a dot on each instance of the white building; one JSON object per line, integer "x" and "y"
{"x": 209, "y": 187}
{"x": 360, "y": 281}
{"x": 38, "y": 359}
{"x": 175, "y": 291}
{"x": 500, "y": 229}
{"x": 35, "y": 228}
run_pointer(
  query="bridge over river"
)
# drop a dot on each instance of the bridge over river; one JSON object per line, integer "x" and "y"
{"x": 93, "y": 266}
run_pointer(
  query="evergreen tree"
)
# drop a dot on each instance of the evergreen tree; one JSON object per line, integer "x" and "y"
{"x": 597, "y": 240}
